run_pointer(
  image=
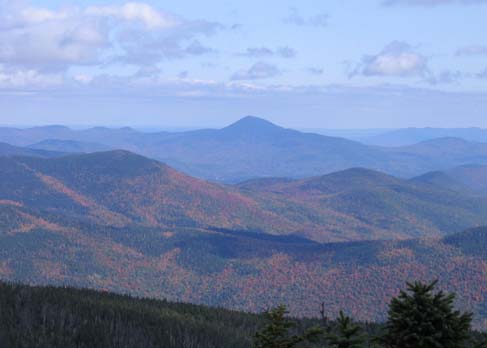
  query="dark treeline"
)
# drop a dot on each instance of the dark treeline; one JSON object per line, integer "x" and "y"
{"x": 74, "y": 318}
{"x": 66, "y": 317}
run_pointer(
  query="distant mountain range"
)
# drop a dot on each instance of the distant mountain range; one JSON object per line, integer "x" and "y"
{"x": 409, "y": 136}
{"x": 255, "y": 148}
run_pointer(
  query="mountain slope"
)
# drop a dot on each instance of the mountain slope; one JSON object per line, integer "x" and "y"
{"x": 470, "y": 179}
{"x": 365, "y": 204}
{"x": 70, "y": 146}
{"x": 472, "y": 176}
{"x": 249, "y": 271}
{"x": 440, "y": 179}
{"x": 7, "y": 150}
{"x": 121, "y": 189}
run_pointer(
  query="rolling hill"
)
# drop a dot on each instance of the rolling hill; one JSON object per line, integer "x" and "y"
{"x": 69, "y": 146}
{"x": 7, "y": 150}
{"x": 121, "y": 222}
{"x": 119, "y": 188}
{"x": 253, "y": 147}
{"x": 466, "y": 178}
{"x": 366, "y": 204}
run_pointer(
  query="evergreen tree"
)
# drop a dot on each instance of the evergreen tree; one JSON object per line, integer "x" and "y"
{"x": 481, "y": 341}
{"x": 346, "y": 334}
{"x": 421, "y": 318}
{"x": 278, "y": 332}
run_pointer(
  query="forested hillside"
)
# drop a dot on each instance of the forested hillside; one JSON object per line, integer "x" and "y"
{"x": 124, "y": 223}
{"x": 122, "y": 189}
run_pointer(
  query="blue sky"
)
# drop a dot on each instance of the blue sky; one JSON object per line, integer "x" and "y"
{"x": 307, "y": 64}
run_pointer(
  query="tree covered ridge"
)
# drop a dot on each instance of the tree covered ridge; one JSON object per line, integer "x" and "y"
{"x": 68, "y": 317}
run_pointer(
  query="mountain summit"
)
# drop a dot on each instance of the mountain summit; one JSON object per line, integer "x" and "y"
{"x": 252, "y": 125}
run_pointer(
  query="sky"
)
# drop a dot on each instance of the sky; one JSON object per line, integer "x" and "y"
{"x": 304, "y": 64}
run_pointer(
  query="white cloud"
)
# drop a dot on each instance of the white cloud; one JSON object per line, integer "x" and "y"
{"x": 135, "y": 11}
{"x": 53, "y": 45}
{"x": 259, "y": 70}
{"x": 83, "y": 78}
{"x": 446, "y": 77}
{"x": 317, "y": 20}
{"x": 39, "y": 15}
{"x": 44, "y": 39}
{"x": 396, "y": 59}
{"x": 472, "y": 50}
{"x": 482, "y": 74}
{"x": 29, "y": 79}
{"x": 263, "y": 52}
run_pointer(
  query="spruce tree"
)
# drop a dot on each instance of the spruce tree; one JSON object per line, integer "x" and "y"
{"x": 278, "y": 333}
{"x": 346, "y": 334}
{"x": 420, "y": 318}
{"x": 481, "y": 341}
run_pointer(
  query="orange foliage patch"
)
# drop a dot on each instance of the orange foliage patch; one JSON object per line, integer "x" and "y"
{"x": 5, "y": 269}
{"x": 51, "y": 270}
{"x": 9, "y": 202}
{"x": 397, "y": 253}
{"x": 104, "y": 215}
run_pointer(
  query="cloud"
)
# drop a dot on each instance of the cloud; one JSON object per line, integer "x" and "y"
{"x": 286, "y": 52}
{"x": 259, "y": 70}
{"x": 36, "y": 38}
{"x": 137, "y": 33}
{"x": 265, "y": 52}
{"x": 257, "y": 52}
{"x": 445, "y": 77}
{"x": 295, "y": 18}
{"x": 315, "y": 71}
{"x": 183, "y": 74}
{"x": 472, "y": 50}
{"x": 21, "y": 79}
{"x": 396, "y": 59}
{"x": 431, "y": 3}
{"x": 134, "y": 11}
{"x": 482, "y": 74}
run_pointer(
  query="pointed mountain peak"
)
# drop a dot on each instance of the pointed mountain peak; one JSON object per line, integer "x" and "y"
{"x": 252, "y": 123}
